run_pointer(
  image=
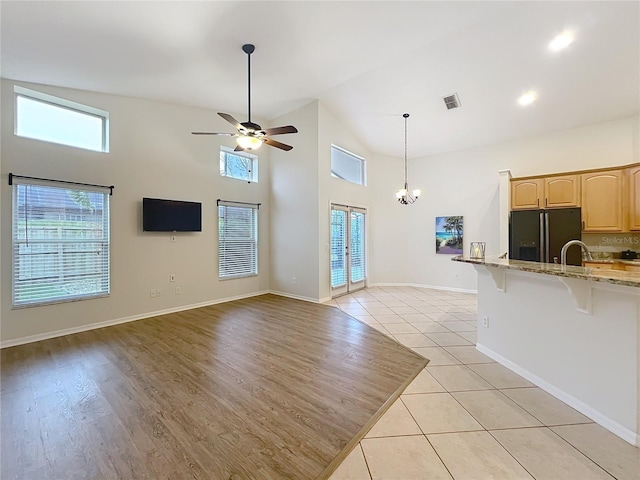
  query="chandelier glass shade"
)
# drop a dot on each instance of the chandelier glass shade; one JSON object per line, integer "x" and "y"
{"x": 403, "y": 195}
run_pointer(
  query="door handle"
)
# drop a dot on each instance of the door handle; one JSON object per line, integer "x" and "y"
{"x": 546, "y": 232}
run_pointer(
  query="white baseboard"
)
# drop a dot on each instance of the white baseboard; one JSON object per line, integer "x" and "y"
{"x": 117, "y": 321}
{"x": 300, "y": 297}
{"x": 420, "y": 285}
{"x": 601, "y": 419}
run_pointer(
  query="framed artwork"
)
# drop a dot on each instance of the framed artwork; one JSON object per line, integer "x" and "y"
{"x": 449, "y": 232}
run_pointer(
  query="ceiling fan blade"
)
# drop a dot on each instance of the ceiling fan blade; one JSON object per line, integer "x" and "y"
{"x": 280, "y": 130}
{"x": 231, "y": 120}
{"x": 212, "y": 133}
{"x": 275, "y": 143}
{"x": 238, "y": 149}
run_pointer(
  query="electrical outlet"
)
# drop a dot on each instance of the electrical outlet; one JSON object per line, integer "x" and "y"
{"x": 152, "y": 293}
{"x": 173, "y": 239}
{"x": 177, "y": 290}
{"x": 158, "y": 293}
{"x": 485, "y": 321}
{"x": 172, "y": 277}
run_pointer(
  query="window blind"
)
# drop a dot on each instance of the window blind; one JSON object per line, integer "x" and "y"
{"x": 237, "y": 240}
{"x": 60, "y": 243}
{"x": 356, "y": 251}
{"x": 338, "y": 242}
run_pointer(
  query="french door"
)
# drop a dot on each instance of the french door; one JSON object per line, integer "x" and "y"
{"x": 348, "y": 260}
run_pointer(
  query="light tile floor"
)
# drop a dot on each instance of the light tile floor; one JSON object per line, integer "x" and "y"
{"x": 464, "y": 416}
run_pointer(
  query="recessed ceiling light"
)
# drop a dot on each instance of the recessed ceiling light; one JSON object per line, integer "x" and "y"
{"x": 561, "y": 41}
{"x": 527, "y": 98}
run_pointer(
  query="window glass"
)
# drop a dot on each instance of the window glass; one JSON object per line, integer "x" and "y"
{"x": 347, "y": 166}
{"x": 240, "y": 165}
{"x": 43, "y": 117}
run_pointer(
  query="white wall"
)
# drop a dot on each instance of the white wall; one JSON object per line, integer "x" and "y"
{"x": 389, "y": 223}
{"x": 294, "y": 207}
{"x": 466, "y": 183}
{"x": 152, "y": 154}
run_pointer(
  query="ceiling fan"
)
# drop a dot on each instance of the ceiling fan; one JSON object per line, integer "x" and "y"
{"x": 249, "y": 135}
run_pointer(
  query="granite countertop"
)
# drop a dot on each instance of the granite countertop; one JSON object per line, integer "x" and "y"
{"x": 617, "y": 277}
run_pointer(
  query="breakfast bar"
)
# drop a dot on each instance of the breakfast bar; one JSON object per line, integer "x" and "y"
{"x": 573, "y": 331}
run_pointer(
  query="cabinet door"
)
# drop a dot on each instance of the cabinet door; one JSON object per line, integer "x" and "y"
{"x": 634, "y": 198}
{"x": 602, "y": 201}
{"x": 562, "y": 191}
{"x": 526, "y": 194}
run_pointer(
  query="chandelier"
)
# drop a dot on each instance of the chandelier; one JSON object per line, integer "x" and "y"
{"x": 403, "y": 195}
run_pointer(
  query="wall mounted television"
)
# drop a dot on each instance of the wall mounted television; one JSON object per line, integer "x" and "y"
{"x": 159, "y": 215}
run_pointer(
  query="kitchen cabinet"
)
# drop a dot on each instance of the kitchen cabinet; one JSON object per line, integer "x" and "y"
{"x": 604, "y": 265}
{"x": 634, "y": 198}
{"x": 632, "y": 268}
{"x": 527, "y": 194}
{"x": 556, "y": 191}
{"x": 602, "y": 201}
{"x": 562, "y": 191}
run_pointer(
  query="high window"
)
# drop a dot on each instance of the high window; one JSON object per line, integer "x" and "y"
{"x": 60, "y": 243}
{"x": 237, "y": 240}
{"x": 240, "y": 165}
{"x": 52, "y": 119}
{"x": 347, "y": 166}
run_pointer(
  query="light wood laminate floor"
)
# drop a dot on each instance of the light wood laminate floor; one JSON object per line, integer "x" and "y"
{"x": 261, "y": 388}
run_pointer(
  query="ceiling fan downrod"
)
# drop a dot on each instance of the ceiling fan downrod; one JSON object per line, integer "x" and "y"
{"x": 248, "y": 48}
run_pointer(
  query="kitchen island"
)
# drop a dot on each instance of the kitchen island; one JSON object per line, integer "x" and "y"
{"x": 573, "y": 331}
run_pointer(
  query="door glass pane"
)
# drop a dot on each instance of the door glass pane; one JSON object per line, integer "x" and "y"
{"x": 338, "y": 241}
{"x": 356, "y": 252}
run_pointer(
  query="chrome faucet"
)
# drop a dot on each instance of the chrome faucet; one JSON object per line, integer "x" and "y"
{"x": 565, "y": 247}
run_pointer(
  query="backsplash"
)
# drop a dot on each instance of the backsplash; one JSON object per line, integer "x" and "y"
{"x": 609, "y": 245}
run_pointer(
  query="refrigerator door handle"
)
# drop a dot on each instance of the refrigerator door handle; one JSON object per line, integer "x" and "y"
{"x": 546, "y": 230}
{"x": 542, "y": 246}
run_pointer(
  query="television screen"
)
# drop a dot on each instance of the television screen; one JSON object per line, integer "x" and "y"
{"x": 160, "y": 215}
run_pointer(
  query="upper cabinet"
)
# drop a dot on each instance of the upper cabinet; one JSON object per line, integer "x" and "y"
{"x": 562, "y": 191}
{"x": 634, "y": 198}
{"x": 526, "y": 194}
{"x": 609, "y": 198}
{"x": 550, "y": 192}
{"x": 602, "y": 201}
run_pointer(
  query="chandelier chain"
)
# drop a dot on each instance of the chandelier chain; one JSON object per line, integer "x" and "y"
{"x": 403, "y": 195}
{"x": 406, "y": 115}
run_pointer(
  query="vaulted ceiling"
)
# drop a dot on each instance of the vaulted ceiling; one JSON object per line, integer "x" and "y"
{"x": 367, "y": 61}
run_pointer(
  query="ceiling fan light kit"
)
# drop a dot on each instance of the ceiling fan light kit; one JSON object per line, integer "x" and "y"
{"x": 249, "y": 135}
{"x": 403, "y": 195}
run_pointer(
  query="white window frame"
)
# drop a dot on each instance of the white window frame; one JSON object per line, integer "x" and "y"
{"x": 253, "y": 168}
{"x": 353, "y": 156}
{"x": 61, "y": 103}
{"x": 32, "y": 238}
{"x": 230, "y": 244}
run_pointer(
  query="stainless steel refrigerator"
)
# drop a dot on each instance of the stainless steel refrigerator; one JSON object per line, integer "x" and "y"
{"x": 538, "y": 235}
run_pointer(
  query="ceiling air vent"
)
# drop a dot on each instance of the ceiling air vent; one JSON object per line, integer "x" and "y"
{"x": 452, "y": 101}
